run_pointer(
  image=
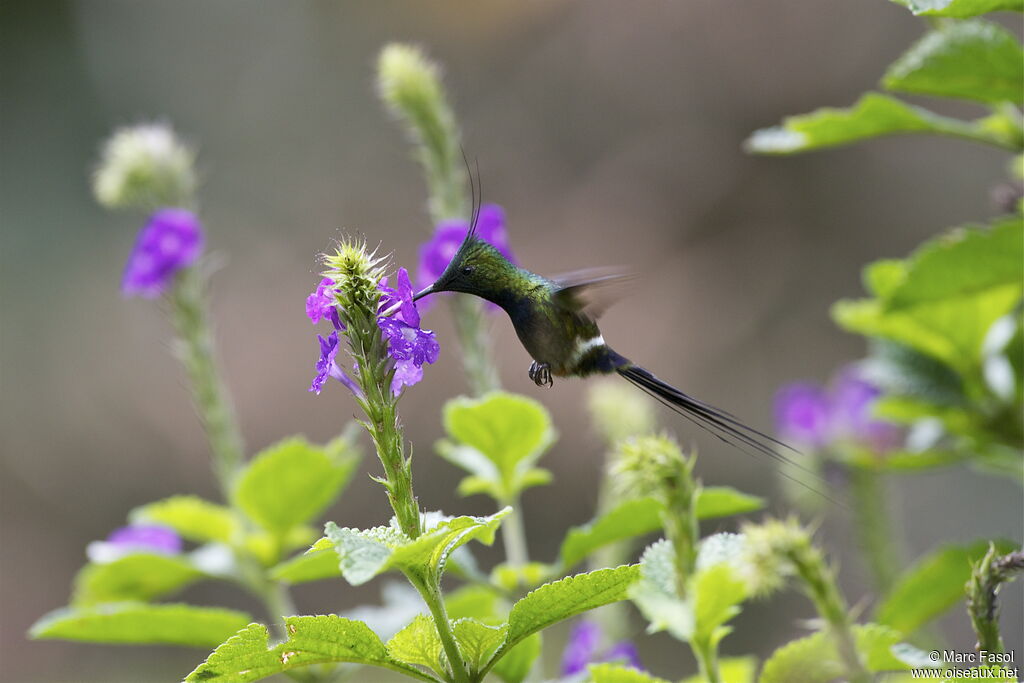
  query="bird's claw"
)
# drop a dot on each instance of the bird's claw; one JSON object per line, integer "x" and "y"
{"x": 540, "y": 373}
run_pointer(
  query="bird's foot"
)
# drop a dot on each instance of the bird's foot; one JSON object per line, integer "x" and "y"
{"x": 540, "y": 373}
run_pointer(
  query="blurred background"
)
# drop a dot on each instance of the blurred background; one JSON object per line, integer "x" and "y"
{"x": 611, "y": 134}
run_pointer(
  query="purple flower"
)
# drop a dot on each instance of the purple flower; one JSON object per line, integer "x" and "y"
{"x": 852, "y": 400}
{"x": 408, "y": 345}
{"x": 321, "y": 304}
{"x": 802, "y": 414}
{"x": 810, "y": 415}
{"x": 436, "y": 253}
{"x": 129, "y": 540}
{"x": 172, "y": 239}
{"x": 582, "y": 649}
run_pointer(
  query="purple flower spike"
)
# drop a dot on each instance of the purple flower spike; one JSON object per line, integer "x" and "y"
{"x": 152, "y": 539}
{"x": 802, "y": 414}
{"x": 324, "y": 366}
{"x": 321, "y": 304}
{"x": 172, "y": 239}
{"x": 581, "y": 648}
{"x": 436, "y": 253}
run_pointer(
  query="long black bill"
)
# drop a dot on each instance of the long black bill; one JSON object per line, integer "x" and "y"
{"x": 423, "y": 292}
{"x": 719, "y": 423}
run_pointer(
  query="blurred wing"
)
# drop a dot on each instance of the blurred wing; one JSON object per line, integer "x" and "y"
{"x": 591, "y": 291}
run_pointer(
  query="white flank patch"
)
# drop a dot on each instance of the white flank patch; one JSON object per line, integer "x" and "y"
{"x": 584, "y": 345}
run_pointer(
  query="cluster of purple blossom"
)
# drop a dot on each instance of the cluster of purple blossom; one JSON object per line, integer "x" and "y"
{"x": 812, "y": 416}
{"x": 408, "y": 345}
{"x": 172, "y": 239}
{"x": 583, "y": 648}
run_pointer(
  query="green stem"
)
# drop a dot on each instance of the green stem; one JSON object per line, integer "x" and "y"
{"x": 987, "y": 576}
{"x": 195, "y": 348}
{"x": 875, "y": 527}
{"x": 475, "y": 344}
{"x": 820, "y": 584}
{"x": 513, "y": 536}
{"x": 707, "y": 660}
{"x": 430, "y": 591}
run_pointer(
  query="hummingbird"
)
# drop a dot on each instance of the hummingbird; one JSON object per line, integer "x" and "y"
{"x": 556, "y": 321}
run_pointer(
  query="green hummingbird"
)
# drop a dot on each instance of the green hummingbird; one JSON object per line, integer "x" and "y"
{"x": 556, "y": 321}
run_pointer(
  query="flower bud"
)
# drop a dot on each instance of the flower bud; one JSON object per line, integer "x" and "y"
{"x": 145, "y": 167}
{"x": 407, "y": 80}
{"x": 652, "y": 466}
{"x": 769, "y": 548}
{"x": 356, "y": 273}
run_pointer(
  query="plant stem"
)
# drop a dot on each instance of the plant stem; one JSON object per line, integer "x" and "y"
{"x": 875, "y": 527}
{"x": 430, "y": 591}
{"x": 820, "y": 584}
{"x": 195, "y": 349}
{"x": 475, "y": 344}
{"x": 707, "y": 660}
{"x": 988, "y": 574}
{"x": 513, "y": 536}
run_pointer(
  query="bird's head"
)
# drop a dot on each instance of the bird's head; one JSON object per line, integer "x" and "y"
{"x": 477, "y": 268}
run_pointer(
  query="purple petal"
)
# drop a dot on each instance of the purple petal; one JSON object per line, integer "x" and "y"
{"x": 405, "y": 294}
{"x": 407, "y": 373}
{"x": 328, "y": 350}
{"x": 581, "y": 648}
{"x": 321, "y": 303}
{"x": 172, "y": 239}
{"x": 802, "y": 414}
{"x": 337, "y": 373}
{"x": 436, "y": 253}
{"x": 852, "y": 401}
{"x": 623, "y": 653}
{"x": 146, "y": 538}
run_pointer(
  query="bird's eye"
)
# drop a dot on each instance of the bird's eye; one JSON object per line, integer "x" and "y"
{"x": 468, "y": 270}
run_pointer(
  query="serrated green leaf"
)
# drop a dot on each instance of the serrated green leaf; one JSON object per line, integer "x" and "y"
{"x": 418, "y": 644}
{"x": 814, "y": 659}
{"x": 976, "y": 60}
{"x": 872, "y": 116}
{"x": 559, "y": 600}
{"x": 656, "y": 596}
{"x": 731, "y": 670}
{"x": 497, "y": 438}
{"x": 639, "y": 516}
{"x": 716, "y": 591}
{"x": 478, "y": 641}
{"x": 931, "y": 586}
{"x": 963, "y": 262}
{"x": 139, "y": 576}
{"x": 292, "y": 482}
{"x": 311, "y": 640}
{"x": 141, "y": 623}
{"x": 616, "y": 673}
{"x": 191, "y": 517}
{"x": 319, "y": 562}
{"x": 515, "y": 664}
{"x": 366, "y": 553}
{"x": 960, "y": 9}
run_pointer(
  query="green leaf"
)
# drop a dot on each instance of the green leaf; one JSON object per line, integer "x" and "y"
{"x": 814, "y": 659}
{"x": 515, "y": 664}
{"x": 497, "y": 439}
{"x": 731, "y": 670}
{"x": 616, "y": 673}
{"x": 931, "y": 586}
{"x": 976, "y": 60}
{"x": 319, "y": 562}
{"x": 364, "y": 554}
{"x": 725, "y": 501}
{"x": 191, "y": 517}
{"x": 715, "y": 592}
{"x": 568, "y": 597}
{"x": 140, "y": 623}
{"x": 639, "y": 516}
{"x": 872, "y": 116}
{"x": 311, "y": 640}
{"x": 960, "y": 9}
{"x": 656, "y": 596}
{"x": 478, "y": 641}
{"x": 472, "y": 601}
{"x": 418, "y": 644}
{"x": 293, "y": 481}
{"x": 139, "y": 576}
{"x": 964, "y": 262}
